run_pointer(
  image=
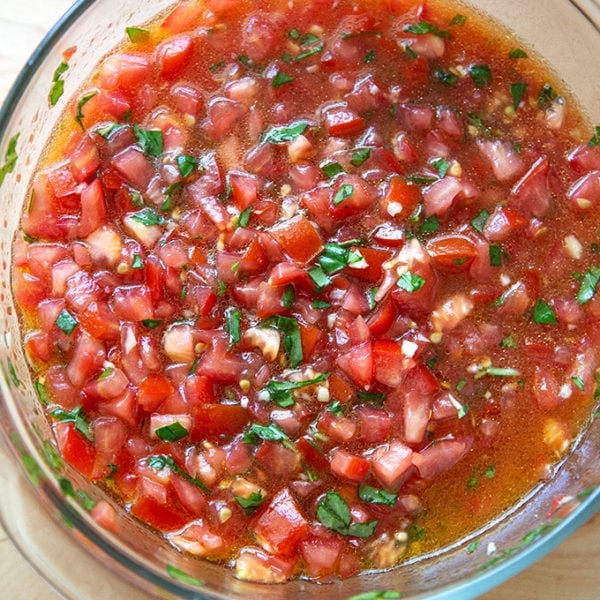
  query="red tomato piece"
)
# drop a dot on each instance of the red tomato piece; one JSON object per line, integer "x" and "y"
{"x": 452, "y": 252}
{"x": 374, "y": 259}
{"x": 153, "y": 390}
{"x": 93, "y": 208}
{"x": 340, "y": 120}
{"x": 298, "y": 238}
{"x": 174, "y": 54}
{"x": 164, "y": 517}
{"x": 76, "y": 449}
{"x": 391, "y": 462}
{"x": 281, "y": 526}
{"x": 212, "y": 420}
{"x": 440, "y": 457}
{"x": 349, "y": 466}
{"x": 358, "y": 364}
{"x": 390, "y": 365}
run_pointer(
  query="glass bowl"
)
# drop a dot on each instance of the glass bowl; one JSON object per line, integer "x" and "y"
{"x": 44, "y": 505}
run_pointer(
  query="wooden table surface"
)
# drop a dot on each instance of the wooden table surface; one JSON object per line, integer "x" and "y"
{"x": 571, "y": 571}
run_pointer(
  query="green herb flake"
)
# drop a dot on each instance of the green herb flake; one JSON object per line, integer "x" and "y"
{"x": 58, "y": 84}
{"x": 288, "y": 297}
{"x": 377, "y": 398}
{"x": 66, "y": 322}
{"x": 280, "y": 79}
{"x": 497, "y": 372}
{"x": 420, "y": 179}
{"x": 270, "y": 433}
{"x": 216, "y": 66}
{"x": 332, "y": 169}
{"x": 481, "y": 75}
{"x": 410, "y": 282}
{"x": 335, "y": 408}
{"x": 489, "y": 472}
{"x": 319, "y": 304}
{"x": 245, "y": 60}
{"x": 292, "y": 341}
{"x": 446, "y": 77}
{"x": 233, "y": 327}
{"x": 148, "y": 217}
{"x": 333, "y": 512}
{"x": 543, "y": 313}
{"x": 480, "y": 220}
{"x": 344, "y": 192}
{"x": 517, "y": 91}
{"x": 161, "y": 461}
{"x": 251, "y": 503}
{"x": 105, "y": 374}
{"x": 244, "y": 217}
{"x": 375, "y": 496}
{"x": 478, "y": 123}
{"x": 377, "y": 595}
{"x": 42, "y": 392}
{"x": 179, "y": 575}
{"x": 460, "y": 385}
{"x": 371, "y": 293}
{"x": 507, "y": 342}
{"x": 10, "y": 158}
{"x": 588, "y": 284}
{"x": 369, "y": 57}
{"x": 423, "y": 27}
{"x": 221, "y": 288}
{"x": 458, "y": 20}
{"x": 280, "y": 392}
{"x": 75, "y": 416}
{"x": 284, "y": 133}
{"x": 137, "y": 262}
{"x": 294, "y": 34}
{"x": 82, "y": 102}
{"x": 149, "y": 140}
{"x": 151, "y": 323}
{"x": 595, "y": 139}
{"x": 186, "y": 164}
{"x": 472, "y": 483}
{"x": 546, "y": 96}
{"x": 430, "y": 225}
{"x": 107, "y": 130}
{"x": 310, "y": 52}
{"x": 473, "y": 546}
{"x": 578, "y": 381}
{"x": 517, "y": 53}
{"x": 319, "y": 278}
{"x": 441, "y": 166}
{"x": 360, "y": 156}
{"x": 495, "y": 253}
{"x": 137, "y": 35}
{"x": 171, "y": 433}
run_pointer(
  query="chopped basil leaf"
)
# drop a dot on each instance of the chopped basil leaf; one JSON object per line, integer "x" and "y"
{"x": 410, "y": 282}
{"x": 480, "y": 220}
{"x": 332, "y": 169}
{"x": 172, "y": 189}
{"x": 75, "y": 416}
{"x": 481, "y": 75}
{"x": 58, "y": 84}
{"x": 160, "y": 461}
{"x": 546, "y": 96}
{"x": 430, "y": 224}
{"x": 498, "y": 372}
{"x": 578, "y": 381}
{"x": 495, "y": 253}
{"x": 310, "y": 52}
{"x": 424, "y": 27}
{"x": 106, "y": 373}
{"x": 344, "y": 192}
{"x": 441, "y": 166}
{"x": 472, "y": 482}
{"x": 460, "y": 385}
{"x": 66, "y": 322}
{"x": 284, "y": 133}
{"x": 317, "y": 303}
{"x": 371, "y": 293}
{"x": 459, "y": 20}
{"x": 107, "y": 130}
{"x": 360, "y": 156}
{"x": 137, "y": 262}
{"x": 375, "y": 397}
{"x": 179, "y": 575}
{"x": 543, "y": 313}
{"x": 280, "y": 392}
{"x": 82, "y": 102}
{"x": 446, "y": 77}
{"x": 420, "y": 179}
{"x": 271, "y": 433}
{"x": 137, "y": 34}
{"x": 280, "y": 79}
{"x": 151, "y": 323}
{"x": 308, "y": 39}
{"x": 233, "y": 325}
{"x": 319, "y": 278}
{"x": 149, "y": 140}
{"x": 370, "y": 56}
{"x": 517, "y": 91}
{"x": 246, "y": 60}
{"x": 375, "y": 496}
{"x": 588, "y": 284}
{"x": 148, "y": 217}
{"x": 221, "y": 288}
{"x": 507, "y": 342}
{"x": 335, "y": 257}
{"x": 489, "y": 472}
{"x": 216, "y": 66}
{"x": 473, "y": 546}
{"x": 595, "y": 139}
{"x": 292, "y": 341}
{"x": 251, "y": 503}
{"x": 478, "y": 123}
{"x": 294, "y": 34}
{"x": 171, "y": 433}
{"x": 42, "y": 392}
{"x": 333, "y": 512}
{"x": 10, "y": 158}
{"x": 377, "y": 595}
{"x": 517, "y": 53}
{"x": 244, "y": 217}
{"x": 288, "y": 297}
{"x": 335, "y": 408}
{"x": 186, "y": 164}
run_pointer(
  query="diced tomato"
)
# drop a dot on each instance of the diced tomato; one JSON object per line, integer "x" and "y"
{"x": 164, "y": 517}
{"x": 299, "y": 239}
{"x": 382, "y": 318}
{"x": 390, "y": 364}
{"x": 29, "y": 291}
{"x": 339, "y": 388}
{"x": 390, "y": 463}
{"x": 281, "y": 526}
{"x": 253, "y": 564}
{"x": 401, "y": 198}
{"x": 174, "y": 54}
{"x": 87, "y": 359}
{"x": 105, "y": 515}
{"x": 212, "y": 420}
{"x": 503, "y": 222}
{"x": 417, "y": 412}
{"x": 312, "y": 455}
{"x": 585, "y": 192}
{"x": 310, "y": 335}
{"x": 135, "y": 167}
{"x": 358, "y": 364}
{"x": 85, "y": 160}
{"x": 244, "y": 188}
{"x": 123, "y": 71}
{"x": 374, "y": 424}
{"x": 277, "y": 459}
{"x": 531, "y": 194}
{"x": 440, "y": 456}
{"x": 340, "y": 120}
{"x": 62, "y": 182}
{"x": 132, "y": 303}
{"x": 153, "y": 390}
{"x": 321, "y": 554}
{"x": 452, "y": 252}
{"x": 350, "y": 195}
{"x": 76, "y": 449}
{"x": 349, "y": 466}
{"x": 374, "y": 259}
{"x": 93, "y": 208}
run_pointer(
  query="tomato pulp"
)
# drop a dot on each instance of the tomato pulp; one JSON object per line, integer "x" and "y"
{"x": 310, "y": 290}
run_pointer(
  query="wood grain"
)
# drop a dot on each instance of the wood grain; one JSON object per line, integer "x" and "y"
{"x": 571, "y": 571}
